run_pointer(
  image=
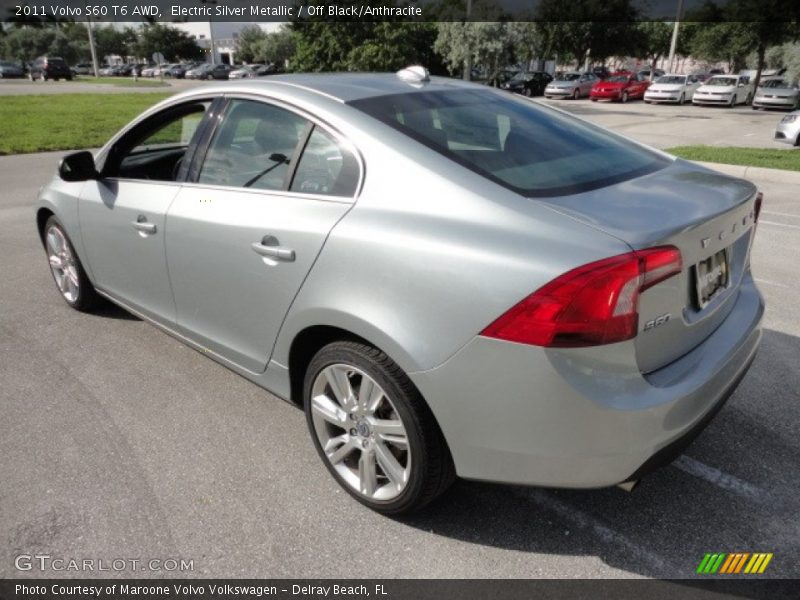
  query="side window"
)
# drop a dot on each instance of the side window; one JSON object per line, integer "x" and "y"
{"x": 253, "y": 146}
{"x": 325, "y": 167}
{"x": 155, "y": 149}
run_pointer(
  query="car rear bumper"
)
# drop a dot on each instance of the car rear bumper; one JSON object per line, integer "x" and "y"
{"x": 583, "y": 418}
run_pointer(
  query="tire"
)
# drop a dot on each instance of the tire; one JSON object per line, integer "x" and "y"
{"x": 748, "y": 100}
{"x": 66, "y": 268}
{"x": 733, "y": 102}
{"x": 576, "y": 94}
{"x": 528, "y": 92}
{"x": 624, "y": 97}
{"x": 394, "y": 471}
{"x": 754, "y": 107}
{"x": 682, "y": 99}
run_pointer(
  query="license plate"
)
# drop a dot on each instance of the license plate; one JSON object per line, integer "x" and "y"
{"x": 712, "y": 276}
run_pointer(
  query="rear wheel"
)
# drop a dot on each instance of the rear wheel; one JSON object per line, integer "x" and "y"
{"x": 373, "y": 430}
{"x": 66, "y": 268}
{"x": 624, "y": 97}
{"x": 528, "y": 92}
{"x": 576, "y": 94}
{"x": 732, "y": 103}
{"x": 682, "y": 99}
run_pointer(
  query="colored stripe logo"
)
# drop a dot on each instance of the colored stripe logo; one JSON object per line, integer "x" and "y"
{"x": 734, "y": 563}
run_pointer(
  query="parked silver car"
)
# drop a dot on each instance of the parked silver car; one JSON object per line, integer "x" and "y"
{"x": 777, "y": 93}
{"x": 788, "y": 129}
{"x": 571, "y": 85}
{"x": 448, "y": 278}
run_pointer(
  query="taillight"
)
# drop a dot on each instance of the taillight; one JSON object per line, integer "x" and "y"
{"x": 759, "y": 200}
{"x": 591, "y": 305}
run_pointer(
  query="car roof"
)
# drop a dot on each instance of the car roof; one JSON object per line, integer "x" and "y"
{"x": 347, "y": 87}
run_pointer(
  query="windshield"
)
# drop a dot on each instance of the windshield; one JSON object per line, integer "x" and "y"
{"x": 528, "y": 148}
{"x": 776, "y": 83}
{"x": 722, "y": 81}
{"x": 569, "y": 77}
{"x": 671, "y": 79}
{"x": 618, "y": 78}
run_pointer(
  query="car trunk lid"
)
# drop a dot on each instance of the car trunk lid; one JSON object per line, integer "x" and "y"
{"x": 709, "y": 217}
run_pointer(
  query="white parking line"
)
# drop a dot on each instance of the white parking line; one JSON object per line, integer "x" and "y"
{"x": 720, "y": 479}
{"x": 776, "y": 284}
{"x": 780, "y": 214}
{"x": 774, "y": 224}
{"x": 584, "y": 520}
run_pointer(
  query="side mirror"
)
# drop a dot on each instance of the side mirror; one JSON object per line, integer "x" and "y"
{"x": 78, "y": 166}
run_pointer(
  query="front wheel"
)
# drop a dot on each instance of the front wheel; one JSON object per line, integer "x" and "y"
{"x": 528, "y": 92}
{"x": 682, "y": 99}
{"x": 67, "y": 270}
{"x": 373, "y": 430}
{"x": 624, "y": 97}
{"x": 576, "y": 94}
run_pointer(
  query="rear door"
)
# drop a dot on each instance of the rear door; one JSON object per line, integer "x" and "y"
{"x": 243, "y": 236}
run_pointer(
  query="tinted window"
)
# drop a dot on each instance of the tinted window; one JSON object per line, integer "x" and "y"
{"x": 253, "y": 146}
{"x": 326, "y": 167}
{"x": 525, "y": 147}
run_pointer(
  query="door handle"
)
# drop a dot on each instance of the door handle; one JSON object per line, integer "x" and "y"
{"x": 141, "y": 224}
{"x": 269, "y": 248}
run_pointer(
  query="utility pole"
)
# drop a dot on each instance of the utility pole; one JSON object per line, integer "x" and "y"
{"x": 468, "y": 62}
{"x": 674, "y": 43}
{"x": 92, "y": 48}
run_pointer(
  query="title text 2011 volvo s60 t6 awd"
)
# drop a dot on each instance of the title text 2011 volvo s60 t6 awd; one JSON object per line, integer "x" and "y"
{"x": 449, "y": 279}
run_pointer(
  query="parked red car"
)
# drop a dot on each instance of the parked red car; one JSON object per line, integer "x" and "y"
{"x": 622, "y": 86}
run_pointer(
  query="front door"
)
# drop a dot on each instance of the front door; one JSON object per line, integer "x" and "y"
{"x": 123, "y": 214}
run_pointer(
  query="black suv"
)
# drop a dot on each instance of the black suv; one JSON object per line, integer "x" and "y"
{"x": 49, "y": 67}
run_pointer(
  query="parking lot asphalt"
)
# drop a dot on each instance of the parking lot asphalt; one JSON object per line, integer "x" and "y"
{"x": 23, "y": 87}
{"x": 117, "y": 441}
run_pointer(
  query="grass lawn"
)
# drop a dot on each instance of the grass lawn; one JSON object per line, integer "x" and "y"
{"x": 66, "y": 121}
{"x": 122, "y": 81}
{"x": 770, "y": 158}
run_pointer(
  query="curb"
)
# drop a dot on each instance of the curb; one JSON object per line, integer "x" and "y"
{"x": 755, "y": 173}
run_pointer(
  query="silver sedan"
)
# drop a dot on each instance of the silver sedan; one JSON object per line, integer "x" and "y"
{"x": 450, "y": 280}
{"x": 788, "y": 129}
{"x": 571, "y": 85}
{"x": 777, "y": 93}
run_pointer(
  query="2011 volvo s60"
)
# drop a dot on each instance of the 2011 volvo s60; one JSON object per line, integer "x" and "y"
{"x": 452, "y": 281}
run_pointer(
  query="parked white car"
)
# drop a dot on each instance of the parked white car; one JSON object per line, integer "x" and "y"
{"x": 727, "y": 90}
{"x": 672, "y": 88}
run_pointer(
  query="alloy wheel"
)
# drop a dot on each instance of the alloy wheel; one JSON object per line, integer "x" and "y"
{"x": 62, "y": 264}
{"x": 360, "y": 432}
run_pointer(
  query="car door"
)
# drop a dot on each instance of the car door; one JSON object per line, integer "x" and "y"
{"x": 247, "y": 230}
{"x": 123, "y": 213}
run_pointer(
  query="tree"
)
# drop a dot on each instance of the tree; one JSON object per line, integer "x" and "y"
{"x": 249, "y": 42}
{"x": 600, "y": 28}
{"x": 24, "y": 43}
{"x": 172, "y": 43}
{"x": 352, "y": 44}
{"x": 278, "y": 47}
{"x": 112, "y": 41}
{"x": 653, "y": 41}
{"x": 491, "y": 44}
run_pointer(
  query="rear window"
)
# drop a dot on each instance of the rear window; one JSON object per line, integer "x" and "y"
{"x": 525, "y": 147}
